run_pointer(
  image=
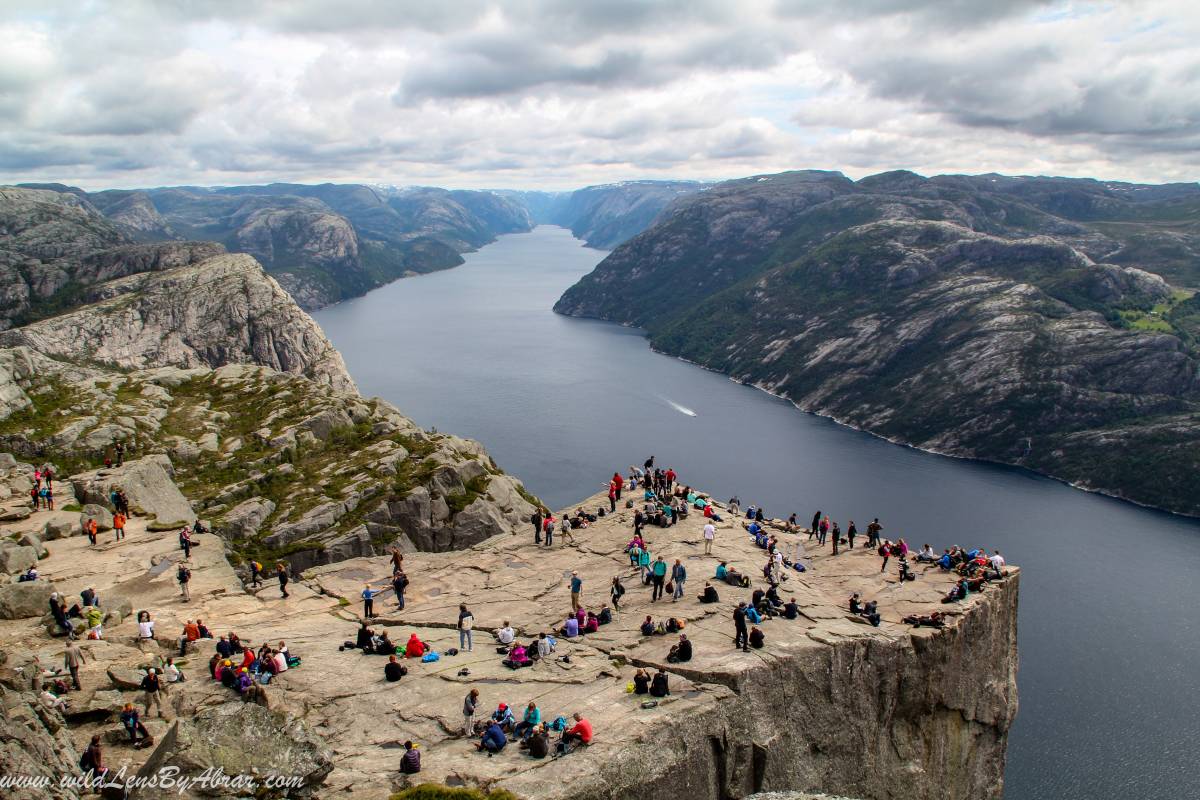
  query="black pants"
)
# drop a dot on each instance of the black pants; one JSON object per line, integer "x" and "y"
{"x": 368, "y": 608}
{"x": 658, "y": 587}
{"x": 741, "y": 637}
{"x": 612, "y": 504}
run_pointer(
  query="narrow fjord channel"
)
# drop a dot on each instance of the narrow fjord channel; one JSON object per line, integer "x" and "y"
{"x": 1108, "y": 682}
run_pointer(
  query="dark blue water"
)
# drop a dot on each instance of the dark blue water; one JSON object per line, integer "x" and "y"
{"x": 1109, "y": 689}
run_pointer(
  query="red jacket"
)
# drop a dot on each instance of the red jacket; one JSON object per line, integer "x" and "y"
{"x": 618, "y": 480}
{"x": 584, "y": 729}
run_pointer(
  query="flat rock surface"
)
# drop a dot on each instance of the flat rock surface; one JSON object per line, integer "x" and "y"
{"x": 343, "y": 697}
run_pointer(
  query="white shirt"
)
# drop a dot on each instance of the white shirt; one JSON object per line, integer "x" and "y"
{"x": 997, "y": 561}
{"x": 172, "y": 673}
{"x": 709, "y": 531}
{"x": 544, "y": 647}
{"x": 146, "y": 629}
{"x": 280, "y": 663}
{"x": 506, "y": 635}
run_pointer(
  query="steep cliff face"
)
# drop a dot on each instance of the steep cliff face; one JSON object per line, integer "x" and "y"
{"x": 932, "y": 312}
{"x": 605, "y": 216}
{"x": 223, "y": 310}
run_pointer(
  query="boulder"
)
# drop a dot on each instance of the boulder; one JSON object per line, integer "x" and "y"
{"x": 7, "y": 461}
{"x": 25, "y": 600}
{"x": 99, "y": 706}
{"x": 123, "y": 678}
{"x": 32, "y": 540}
{"x": 37, "y": 745}
{"x": 104, "y": 521}
{"x": 15, "y": 558}
{"x": 58, "y": 529}
{"x": 241, "y": 739}
{"x": 148, "y": 484}
{"x": 16, "y": 514}
{"x": 244, "y": 520}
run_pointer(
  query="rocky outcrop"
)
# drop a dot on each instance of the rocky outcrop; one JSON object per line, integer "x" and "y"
{"x": 146, "y": 482}
{"x": 24, "y": 600}
{"x": 224, "y": 310}
{"x": 608, "y": 215}
{"x": 935, "y": 313}
{"x": 242, "y": 739}
{"x": 34, "y": 745}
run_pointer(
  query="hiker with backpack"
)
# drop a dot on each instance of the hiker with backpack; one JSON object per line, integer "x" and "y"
{"x": 399, "y": 584}
{"x": 184, "y": 576}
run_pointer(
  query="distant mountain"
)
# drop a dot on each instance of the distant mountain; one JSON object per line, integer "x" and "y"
{"x": 323, "y": 243}
{"x": 605, "y": 216}
{"x": 1009, "y": 319}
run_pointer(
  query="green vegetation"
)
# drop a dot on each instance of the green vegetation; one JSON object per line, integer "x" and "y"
{"x": 475, "y": 488}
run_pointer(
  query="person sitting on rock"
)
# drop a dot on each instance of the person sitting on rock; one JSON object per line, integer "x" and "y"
{"x": 28, "y": 575}
{"x": 503, "y": 717}
{"x": 578, "y": 734}
{"x": 364, "y": 640}
{"x": 648, "y": 627}
{"x": 506, "y": 635}
{"x": 244, "y": 680}
{"x": 224, "y": 648}
{"x": 493, "y": 740}
{"x": 772, "y": 597}
{"x": 871, "y": 612}
{"x": 641, "y": 682}
{"x": 205, "y": 633}
{"x": 570, "y": 628}
{"x": 59, "y": 610}
{"x": 756, "y": 637}
{"x": 592, "y": 624}
{"x": 791, "y": 610}
{"x": 415, "y": 647}
{"x": 214, "y": 664}
{"x": 227, "y": 675}
{"x": 545, "y": 645}
{"x": 709, "y": 595}
{"x": 517, "y": 657}
{"x": 658, "y": 684}
{"x": 394, "y": 670}
{"x": 681, "y": 652}
{"x": 753, "y": 616}
{"x": 529, "y": 722}
{"x": 539, "y": 743}
{"x": 855, "y": 605}
{"x": 605, "y": 616}
{"x": 383, "y": 645}
{"x": 926, "y": 555}
{"x": 410, "y": 762}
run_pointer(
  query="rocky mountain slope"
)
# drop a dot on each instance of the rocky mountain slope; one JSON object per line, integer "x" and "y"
{"x": 978, "y": 317}
{"x": 323, "y": 243}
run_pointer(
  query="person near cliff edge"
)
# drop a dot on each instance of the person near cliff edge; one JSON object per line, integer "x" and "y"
{"x": 281, "y": 573}
{"x": 740, "y": 634}
{"x": 619, "y": 483}
{"x": 536, "y": 519}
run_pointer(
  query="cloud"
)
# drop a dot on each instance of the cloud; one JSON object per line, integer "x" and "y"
{"x": 533, "y": 93}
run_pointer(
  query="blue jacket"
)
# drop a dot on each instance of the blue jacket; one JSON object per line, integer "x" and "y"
{"x": 494, "y": 736}
{"x": 678, "y": 573}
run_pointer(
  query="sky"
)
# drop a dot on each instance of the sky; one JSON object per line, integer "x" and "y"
{"x": 558, "y": 94}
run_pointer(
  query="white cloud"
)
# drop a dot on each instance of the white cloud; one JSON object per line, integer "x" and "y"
{"x": 561, "y": 93}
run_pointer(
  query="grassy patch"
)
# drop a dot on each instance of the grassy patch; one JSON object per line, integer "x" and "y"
{"x": 437, "y": 791}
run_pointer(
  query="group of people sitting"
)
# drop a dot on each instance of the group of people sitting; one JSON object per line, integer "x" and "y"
{"x": 869, "y": 611}
{"x": 655, "y": 686}
{"x": 533, "y": 731}
{"x": 731, "y": 576}
{"x": 237, "y": 666}
{"x": 88, "y": 609}
{"x": 583, "y": 622}
{"x": 650, "y": 628}
{"x": 519, "y": 655}
{"x": 372, "y": 643}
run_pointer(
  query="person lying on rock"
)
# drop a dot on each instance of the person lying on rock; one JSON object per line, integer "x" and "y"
{"x": 681, "y": 652}
{"x": 709, "y": 595}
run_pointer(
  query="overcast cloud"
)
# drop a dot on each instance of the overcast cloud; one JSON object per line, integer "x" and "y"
{"x": 563, "y": 93}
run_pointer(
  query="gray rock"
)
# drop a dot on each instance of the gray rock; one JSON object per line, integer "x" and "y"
{"x": 25, "y": 600}
{"x": 7, "y": 461}
{"x": 32, "y": 540}
{"x": 102, "y": 515}
{"x": 16, "y": 514}
{"x": 146, "y": 482}
{"x": 240, "y": 739}
{"x": 36, "y": 744}
{"x": 59, "y": 529}
{"x": 127, "y": 679}
{"x": 15, "y": 558}
{"x": 244, "y": 520}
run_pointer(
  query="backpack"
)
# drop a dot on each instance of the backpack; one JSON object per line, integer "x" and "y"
{"x": 430, "y": 656}
{"x": 85, "y": 760}
{"x": 559, "y": 724}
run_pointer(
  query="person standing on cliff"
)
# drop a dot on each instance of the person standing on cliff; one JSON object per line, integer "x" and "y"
{"x": 619, "y": 482}
{"x": 710, "y": 533}
{"x": 740, "y": 634}
{"x": 851, "y": 532}
{"x": 281, "y": 573}
{"x": 616, "y": 593}
{"x": 576, "y": 590}
{"x": 612, "y": 496}
{"x": 119, "y": 526}
{"x": 659, "y": 575}
{"x": 399, "y": 584}
{"x": 397, "y": 560}
{"x": 536, "y": 519}
{"x": 816, "y": 524}
{"x": 466, "y": 623}
{"x": 469, "y": 704}
{"x": 368, "y": 596}
{"x": 678, "y": 577}
{"x": 873, "y": 531}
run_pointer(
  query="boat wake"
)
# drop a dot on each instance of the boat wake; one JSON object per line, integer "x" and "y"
{"x": 677, "y": 407}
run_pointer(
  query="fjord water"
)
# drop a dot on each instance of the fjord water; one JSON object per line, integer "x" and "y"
{"x": 1108, "y": 623}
